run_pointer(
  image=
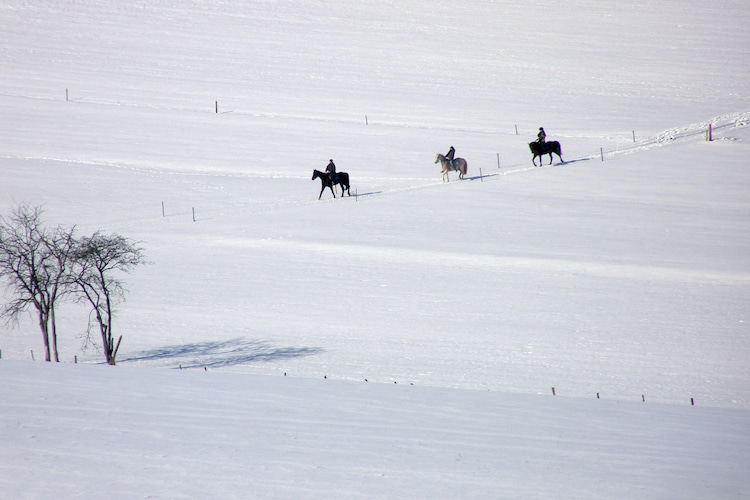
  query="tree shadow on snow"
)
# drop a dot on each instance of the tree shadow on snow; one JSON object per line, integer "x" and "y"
{"x": 238, "y": 351}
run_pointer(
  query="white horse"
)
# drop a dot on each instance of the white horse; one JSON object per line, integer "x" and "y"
{"x": 459, "y": 164}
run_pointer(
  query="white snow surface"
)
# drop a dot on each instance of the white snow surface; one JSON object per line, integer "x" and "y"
{"x": 404, "y": 341}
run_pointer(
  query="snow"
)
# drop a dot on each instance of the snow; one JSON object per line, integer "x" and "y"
{"x": 193, "y": 434}
{"x": 622, "y": 272}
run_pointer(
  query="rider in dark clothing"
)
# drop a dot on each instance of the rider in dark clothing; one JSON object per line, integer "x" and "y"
{"x": 541, "y": 136}
{"x": 450, "y": 155}
{"x": 331, "y": 170}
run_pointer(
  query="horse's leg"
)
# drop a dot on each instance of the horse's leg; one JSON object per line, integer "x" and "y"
{"x": 322, "y": 188}
{"x": 550, "y": 158}
{"x": 533, "y": 160}
{"x": 332, "y": 191}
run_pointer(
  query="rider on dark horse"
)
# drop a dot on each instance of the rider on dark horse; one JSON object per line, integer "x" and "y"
{"x": 541, "y": 138}
{"x": 331, "y": 170}
{"x": 450, "y": 155}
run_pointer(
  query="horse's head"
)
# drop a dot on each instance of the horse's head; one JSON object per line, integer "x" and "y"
{"x": 438, "y": 157}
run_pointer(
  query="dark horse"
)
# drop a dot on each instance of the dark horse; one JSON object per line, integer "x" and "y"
{"x": 342, "y": 179}
{"x": 544, "y": 149}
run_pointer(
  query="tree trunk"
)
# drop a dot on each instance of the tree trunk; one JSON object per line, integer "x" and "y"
{"x": 45, "y": 335}
{"x": 117, "y": 348}
{"x": 106, "y": 339}
{"x": 54, "y": 334}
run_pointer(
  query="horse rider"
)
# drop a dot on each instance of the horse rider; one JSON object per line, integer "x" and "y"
{"x": 331, "y": 170}
{"x": 450, "y": 155}
{"x": 541, "y": 137}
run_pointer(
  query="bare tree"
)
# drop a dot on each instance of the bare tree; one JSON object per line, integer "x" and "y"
{"x": 34, "y": 263}
{"x": 96, "y": 260}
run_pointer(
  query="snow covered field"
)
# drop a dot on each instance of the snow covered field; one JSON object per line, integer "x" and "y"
{"x": 461, "y": 304}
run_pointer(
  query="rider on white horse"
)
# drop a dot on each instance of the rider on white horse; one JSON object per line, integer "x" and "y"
{"x": 450, "y": 155}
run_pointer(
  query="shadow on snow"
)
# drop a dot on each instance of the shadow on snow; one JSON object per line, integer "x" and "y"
{"x": 215, "y": 354}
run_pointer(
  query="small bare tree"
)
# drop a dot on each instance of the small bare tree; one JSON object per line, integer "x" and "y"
{"x": 97, "y": 258}
{"x": 34, "y": 263}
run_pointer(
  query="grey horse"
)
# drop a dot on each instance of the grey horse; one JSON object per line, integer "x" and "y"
{"x": 459, "y": 164}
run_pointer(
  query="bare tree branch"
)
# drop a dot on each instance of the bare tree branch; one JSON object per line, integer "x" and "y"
{"x": 97, "y": 258}
{"x": 34, "y": 265}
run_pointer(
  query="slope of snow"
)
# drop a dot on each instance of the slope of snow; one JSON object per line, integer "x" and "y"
{"x": 623, "y": 271}
{"x": 91, "y": 431}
